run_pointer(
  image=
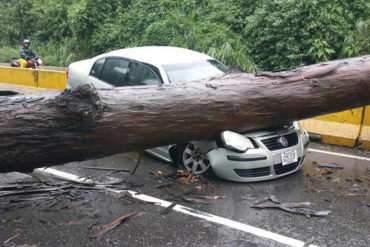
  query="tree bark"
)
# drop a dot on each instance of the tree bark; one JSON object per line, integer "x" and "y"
{"x": 53, "y": 128}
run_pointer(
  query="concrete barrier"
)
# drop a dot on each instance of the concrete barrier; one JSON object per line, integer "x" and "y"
{"x": 47, "y": 79}
{"x": 364, "y": 138}
{"x": 349, "y": 128}
{"x": 341, "y": 128}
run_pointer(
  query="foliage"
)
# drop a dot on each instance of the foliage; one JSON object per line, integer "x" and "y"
{"x": 198, "y": 25}
{"x": 286, "y": 33}
{"x": 320, "y": 50}
{"x": 358, "y": 42}
{"x": 59, "y": 54}
{"x": 273, "y": 34}
{"x": 52, "y": 20}
{"x": 16, "y": 20}
{"x": 228, "y": 55}
{"x": 6, "y": 53}
{"x": 362, "y": 36}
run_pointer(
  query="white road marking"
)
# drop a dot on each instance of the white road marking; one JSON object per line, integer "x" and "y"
{"x": 185, "y": 210}
{"x": 339, "y": 154}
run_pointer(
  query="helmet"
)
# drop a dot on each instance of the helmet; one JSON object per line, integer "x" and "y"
{"x": 27, "y": 41}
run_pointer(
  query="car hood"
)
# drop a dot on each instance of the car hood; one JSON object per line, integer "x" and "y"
{"x": 268, "y": 132}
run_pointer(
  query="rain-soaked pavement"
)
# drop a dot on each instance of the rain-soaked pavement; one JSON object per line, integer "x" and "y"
{"x": 73, "y": 214}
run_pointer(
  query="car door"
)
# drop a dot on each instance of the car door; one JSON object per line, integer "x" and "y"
{"x": 118, "y": 72}
{"x": 142, "y": 74}
{"x": 108, "y": 72}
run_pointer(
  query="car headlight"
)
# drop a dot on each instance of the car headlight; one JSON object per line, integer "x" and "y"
{"x": 298, "y": 127}
{"x": 235, "y": 141}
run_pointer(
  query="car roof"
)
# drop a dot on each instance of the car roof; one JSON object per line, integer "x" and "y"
{"x": 159, "y": 55}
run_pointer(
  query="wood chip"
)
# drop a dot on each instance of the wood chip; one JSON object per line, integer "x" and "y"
{"x": 114, "y": 224}
{"x": 192, "y": 199}
{"x": 325, "y": 171}
{"x": 167, "y": 209}
{"x": 309, "y": 242}
{"x": 90, "y": 226}
{"x": 297, "y": 208}
{"x": 106, "y": 169}
{"x": 210, "y": 197}
{"x": 12, "y": 238}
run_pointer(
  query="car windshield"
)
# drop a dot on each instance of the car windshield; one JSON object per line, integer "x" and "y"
{"x": 194, "y": 71}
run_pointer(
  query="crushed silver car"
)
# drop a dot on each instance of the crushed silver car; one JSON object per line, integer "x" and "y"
{"x": 244, "y": 157}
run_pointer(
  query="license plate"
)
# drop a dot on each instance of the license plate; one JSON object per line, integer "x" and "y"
{"x": 289, "y": 157}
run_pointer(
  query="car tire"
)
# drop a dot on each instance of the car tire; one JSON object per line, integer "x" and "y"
{"x": 190, "y": 157}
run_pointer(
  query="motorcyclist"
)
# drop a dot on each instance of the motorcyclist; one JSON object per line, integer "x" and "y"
{"x": 26, "y": 53}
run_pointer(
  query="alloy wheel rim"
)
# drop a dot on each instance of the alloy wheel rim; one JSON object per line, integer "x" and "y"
{"x": 195, "y": 160}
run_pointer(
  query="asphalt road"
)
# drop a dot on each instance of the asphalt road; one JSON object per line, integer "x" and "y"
{"x": 72, "y": 217}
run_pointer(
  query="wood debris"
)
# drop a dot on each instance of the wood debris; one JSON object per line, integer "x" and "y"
{"x": 132, "y": 172}
{"x": 182, "y": 185}
{"x": 365, "y": 204}
{"x": 91, "y": 224}
{"x": 71, "y": 223}
{"x": 106, "y": 169}
{"x": 186, "y": 177}
{"x": 309, "y": 242}
{"x": 12, "y": 238}
{"x": 114, "y": 224}
{"x": 167, "y": 209}
{"x": 18, "y": 195}
{"x": 196, "y": 200}
{"x": 325, "y": 171}
{"x": 297, "y": 208}
{"x": 327, "y": 165}
{"x": 164, "y": 185}
{"x": 210, "y": 197}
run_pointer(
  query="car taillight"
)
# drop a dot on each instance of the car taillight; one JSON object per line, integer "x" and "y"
{"x": 67, "y": 73}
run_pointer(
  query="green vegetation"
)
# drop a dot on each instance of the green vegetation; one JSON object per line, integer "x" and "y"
{"x": 263, "y": 34}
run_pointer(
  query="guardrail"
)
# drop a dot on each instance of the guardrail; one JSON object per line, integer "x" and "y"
{"x": 364, "y": 137}
{"x": 44, "y": 79}
{"x": 348, "y": 128}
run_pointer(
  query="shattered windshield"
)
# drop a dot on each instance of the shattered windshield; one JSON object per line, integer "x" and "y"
{"x": 194, "y": 71}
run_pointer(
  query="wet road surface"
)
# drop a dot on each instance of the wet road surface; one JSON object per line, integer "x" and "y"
{"x": 73, "y": 217}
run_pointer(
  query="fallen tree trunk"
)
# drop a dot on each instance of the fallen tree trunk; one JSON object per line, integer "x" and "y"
{"x": 53, "y": 128}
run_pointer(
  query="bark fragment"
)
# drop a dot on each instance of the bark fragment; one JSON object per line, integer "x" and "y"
{"x": 114, "y": 224}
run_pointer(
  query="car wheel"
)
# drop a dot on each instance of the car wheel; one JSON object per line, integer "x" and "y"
{"x": 191, "y": 158}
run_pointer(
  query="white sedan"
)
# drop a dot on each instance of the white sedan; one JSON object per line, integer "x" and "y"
{"x": 243, "y": 157}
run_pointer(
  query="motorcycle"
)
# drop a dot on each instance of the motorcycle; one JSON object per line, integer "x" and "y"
{"x": 33, "y": 63}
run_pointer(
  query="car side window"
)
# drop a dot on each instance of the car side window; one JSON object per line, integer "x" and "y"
{"x": 97, "y": 68}
{"x": 140, "y": 74}
{"x": 115, "y": 71}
